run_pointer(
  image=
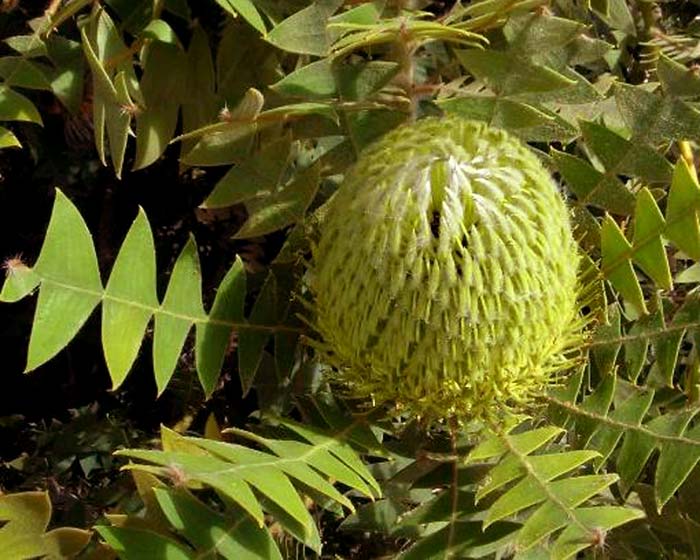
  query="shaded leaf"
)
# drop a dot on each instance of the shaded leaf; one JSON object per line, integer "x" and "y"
{"x": 164, "y": 66}
{"x": 24, "y": 518}
{"x": 625, "y": 157}
{"x": 616, "y": 265}
{"x": 592, "y": 187}
{"x": 256, "y": 175}
{"x": 16, "y": 107}
{"x": 233, "y": 536}
{"x": 134, "y": 544}
{"x": 21, "y": 72}
{"x": 284, "y": 207}
{"x": 213, "y": 336}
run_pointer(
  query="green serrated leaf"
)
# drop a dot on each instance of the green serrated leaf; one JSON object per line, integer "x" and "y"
{"x": 200, "y": 469}
{"x": 682, "y": 209}
{"x": 118, "y": 120}
{"x": 596, "y": 404}
{"x": 129, "y": 299}
{"x": 232, "y": 536}
{"x": 181, "y": 307}
{"x": 323, "y": 461}
{"x": 617, "y": 14}
{"x": 213, "y": 336}
{"x": 71, "y": 287}
{"x": 690, "y": 275}
{"x": 636, "y": 346}
{"x": 666, "y": 346}
{"x": 527, "y": 442}
{"x": 135, "y": 544}
{"x": 655, "y": 118}
{"x": 536, "y": 488}
{"x": 592, "y": 187}
{"x": 463, "y": 539}
{"x": 606, "y": 347}
{"x": 257, "y": 175}
{"x": 535, "y": 34}
{"x": 342, "y": 451}
{"x": 252, "y": 341}
{"x": 259, "y": 471}
{"x": 508, "y": 75}
{"x": 497, "y": 111}
{"x": 20, "y": 281}
{"x": 106, "y": 110}
{"x": 359, "y": 81}
{"x": 312, "y": 81}
{"x": 606, "y": 437}
{"x": 616, "y": 265}
{"x": 282, "y": 208}
{"x": 200, "y": 102}
{"x": 676, "y": 460}
{"x": 592, "y": 521}
{"x": 164, "y": 68}
{"x": 637, "y": 447}
{"x": 677, "y": 79}
{"x": 649, "y": 252}
{"x": 29, "y": 46}
{"x": 624, "y": 157}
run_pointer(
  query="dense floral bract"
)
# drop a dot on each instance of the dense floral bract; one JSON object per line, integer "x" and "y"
{"x": 445, "y": 279}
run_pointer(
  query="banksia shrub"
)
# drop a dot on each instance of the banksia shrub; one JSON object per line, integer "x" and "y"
{"x": 445, "y": 278}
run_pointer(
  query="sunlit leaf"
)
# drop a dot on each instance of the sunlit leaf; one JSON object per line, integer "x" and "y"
{"x": 71, "y": 285}
{"x": 15, "y": 107}
{"x": 246, "y": 9}
{"x": 181, "y": 307}
{"x": 129, "y": 299}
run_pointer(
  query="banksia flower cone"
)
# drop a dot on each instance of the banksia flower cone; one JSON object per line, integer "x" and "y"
{"x": 445, "y": 277}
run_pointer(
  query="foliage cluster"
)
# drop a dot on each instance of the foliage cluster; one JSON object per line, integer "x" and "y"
{"x": 269, "y": 103}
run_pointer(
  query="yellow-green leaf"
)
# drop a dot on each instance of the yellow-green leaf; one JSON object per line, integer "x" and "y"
{"x": 649, "y": 252}
{"x": 617, "y": 266}
{"x": 15, "y": 107}
{"x": 213, "y": 336}
{"x": 181, "y": 307}
{"x": 71, "y": 285}
{"x": 130, "y": 297}
{"x": 682, "y": 211}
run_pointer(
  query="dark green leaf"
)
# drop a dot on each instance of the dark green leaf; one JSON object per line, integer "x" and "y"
{"x": 282, "y": 208}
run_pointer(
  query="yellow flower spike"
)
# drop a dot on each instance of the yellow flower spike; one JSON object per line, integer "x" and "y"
{"x": 470, "y": 212}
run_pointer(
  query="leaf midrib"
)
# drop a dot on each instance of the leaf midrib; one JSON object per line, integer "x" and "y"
{"x": 619, "y": 424}
{"x": 237, "y": 325}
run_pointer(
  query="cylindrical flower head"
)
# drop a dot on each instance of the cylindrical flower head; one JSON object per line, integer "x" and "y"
{"x": 445, "y": 277}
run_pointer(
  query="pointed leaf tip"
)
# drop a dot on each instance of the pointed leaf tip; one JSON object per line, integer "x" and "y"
{"x": 130, "y": 299}
{"x": 70, "y": 282}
